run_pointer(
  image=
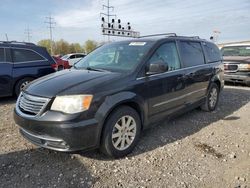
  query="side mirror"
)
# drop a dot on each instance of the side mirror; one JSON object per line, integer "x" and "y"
{"x": 157, "y": 67}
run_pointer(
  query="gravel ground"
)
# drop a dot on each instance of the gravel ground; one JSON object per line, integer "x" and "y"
{"x": 197, "y": 149}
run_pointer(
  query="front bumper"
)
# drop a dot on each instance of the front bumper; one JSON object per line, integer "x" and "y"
{"x": 237, "y": 77}
{"x": 59, "y": 135}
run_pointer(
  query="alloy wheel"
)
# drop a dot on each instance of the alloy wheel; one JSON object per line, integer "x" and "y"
{"x": 23, "y": 85}
{"x": 124, "y": 132}
{"x": 213, "y": 97}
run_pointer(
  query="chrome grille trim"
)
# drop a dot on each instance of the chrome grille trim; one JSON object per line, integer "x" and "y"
{"x": 31, "y": 106}
{"x": 230, "y": 67}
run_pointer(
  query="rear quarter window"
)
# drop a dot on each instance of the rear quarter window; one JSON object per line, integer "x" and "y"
{"x": 212, "y": 52}
{"x": 191, "y": 53}
{"x": 25, "y": 55}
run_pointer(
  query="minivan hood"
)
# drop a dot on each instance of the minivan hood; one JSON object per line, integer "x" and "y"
{"x": 240, "y": 59}
{"x": 63, "y": 81}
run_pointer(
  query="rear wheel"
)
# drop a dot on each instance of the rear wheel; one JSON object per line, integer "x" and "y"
{"x": 212, "y": 98}
{"x": 121, "y": 132}
{"x": 21, "y": 85}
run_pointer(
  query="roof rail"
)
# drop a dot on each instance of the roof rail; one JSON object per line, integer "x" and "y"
{"x": 16, "y": 42}
{"x": 170, "y": 35}
{"x": 192, "y": 37}
{"x": 160, "y": 34}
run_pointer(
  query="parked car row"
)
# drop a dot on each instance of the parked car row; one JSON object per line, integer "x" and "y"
{"x": 22, "y": 62}
{"x": 118, "y": 90}
{"x": 73, "y": 58}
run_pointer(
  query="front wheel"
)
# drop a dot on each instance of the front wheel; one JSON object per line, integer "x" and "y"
{"x": 212, "y": 98}
{"x": 121, "y": 132}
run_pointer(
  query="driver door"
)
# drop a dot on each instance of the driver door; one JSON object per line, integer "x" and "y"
{"x": 166, "y": 89}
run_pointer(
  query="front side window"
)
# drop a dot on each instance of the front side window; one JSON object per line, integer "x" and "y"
{"x": 212, "y": 52}
{"x": 236, "y": 51}
{"x": 119, "y": 56}
{"x": 2, "y": 55}
{"x": 167, "y": 53}
{"x": 25, "y": 55}
{"x": 191, "y": 53}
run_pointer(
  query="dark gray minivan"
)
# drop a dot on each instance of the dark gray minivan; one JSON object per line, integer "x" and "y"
{"x": 117, "y": 91}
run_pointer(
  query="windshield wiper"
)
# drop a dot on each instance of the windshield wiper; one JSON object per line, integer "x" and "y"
{"x": 94, "y": 69}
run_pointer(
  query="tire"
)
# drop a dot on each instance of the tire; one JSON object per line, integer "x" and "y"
{"x": 124, "y": 139}
{"x": 21, "y": 84}
{"x": 212, "y": 98}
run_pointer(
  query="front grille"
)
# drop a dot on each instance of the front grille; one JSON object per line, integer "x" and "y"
{"x": 230, "y": 67}
{"x": 31, "y": 105}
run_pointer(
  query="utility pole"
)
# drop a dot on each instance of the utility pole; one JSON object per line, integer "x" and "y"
{"x": 215, "y": 36}
{"x": 51, "y": 23}
{"x": 107, "y": 14}
{"x": 113, "y": 27}
{"x": 27, "y": 32}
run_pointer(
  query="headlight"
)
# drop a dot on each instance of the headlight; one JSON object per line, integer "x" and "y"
{"x": 244, "y": 67}
{"x": 72, "y": 103}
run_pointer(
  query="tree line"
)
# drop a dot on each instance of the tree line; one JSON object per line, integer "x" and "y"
{"x": 63, "y": 47}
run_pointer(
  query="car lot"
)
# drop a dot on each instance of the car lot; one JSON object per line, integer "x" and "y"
{"x": 197, "y": 149}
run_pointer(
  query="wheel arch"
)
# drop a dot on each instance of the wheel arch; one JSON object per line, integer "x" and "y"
{"x": 113, "y": 102}
{"x": 18, "y": 79}
{"x": 216, "y": 79}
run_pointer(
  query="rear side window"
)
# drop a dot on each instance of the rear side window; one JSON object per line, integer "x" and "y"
{"x": 191, "y": 53}
{"x": 24, "y": 55}
{"x": 168, "y": 54}
{"x": 72, "y": 57}
{"x": 2, "y": 55}
{"x": 212, "y": 52}
{"x": 79, "y": 55}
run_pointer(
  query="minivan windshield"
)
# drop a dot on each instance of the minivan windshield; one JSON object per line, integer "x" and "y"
{"x": 117, "y": 56}
{"x": 236, "y": 51}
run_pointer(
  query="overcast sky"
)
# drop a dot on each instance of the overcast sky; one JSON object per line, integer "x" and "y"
{"x": 79, "y": 20}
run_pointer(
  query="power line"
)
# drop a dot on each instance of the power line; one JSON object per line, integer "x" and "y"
{"x": 51, "y": 23}
{"x": 28, "y": 33}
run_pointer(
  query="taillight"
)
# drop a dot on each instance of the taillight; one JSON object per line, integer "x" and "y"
{"x": 54, "y": 66}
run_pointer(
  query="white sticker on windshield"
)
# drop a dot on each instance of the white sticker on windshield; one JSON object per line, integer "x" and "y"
{"x": 247, "y": 48}
{"x": 137, "y": 43}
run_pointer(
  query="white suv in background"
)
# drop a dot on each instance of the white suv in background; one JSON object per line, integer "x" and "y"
{"x": 73, "y": 58}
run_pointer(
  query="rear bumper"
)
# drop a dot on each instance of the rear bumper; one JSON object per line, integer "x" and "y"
{"x": 233, "y": 77}
{"x": 60, "y": 136}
